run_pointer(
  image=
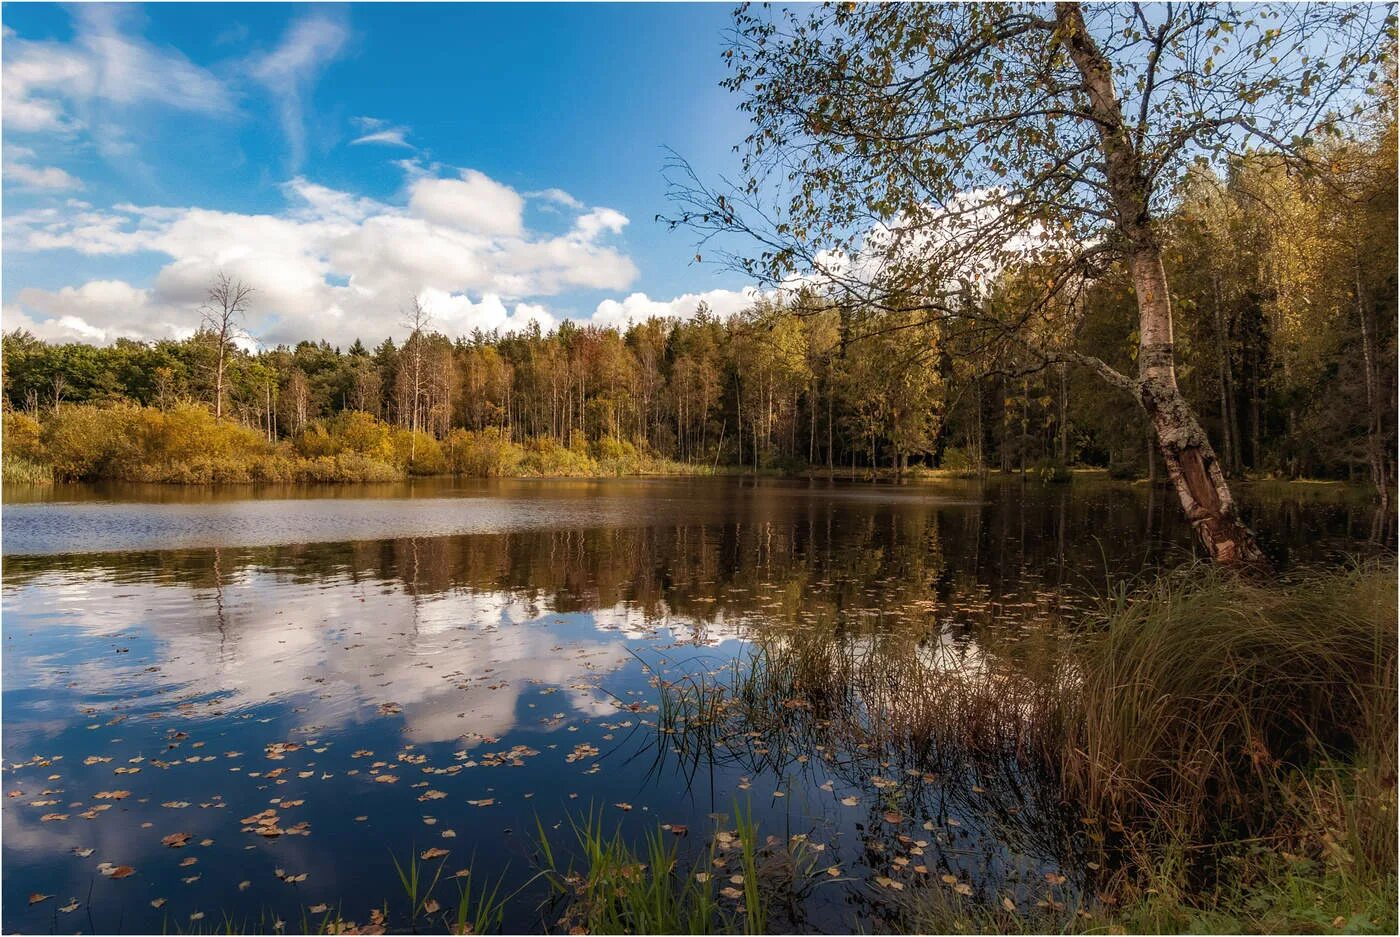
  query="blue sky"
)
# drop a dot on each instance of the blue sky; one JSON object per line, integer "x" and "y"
{"x": 501, "y": 161}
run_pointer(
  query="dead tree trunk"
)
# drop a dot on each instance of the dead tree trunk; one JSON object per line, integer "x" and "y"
{"x": 1190, "y": 461}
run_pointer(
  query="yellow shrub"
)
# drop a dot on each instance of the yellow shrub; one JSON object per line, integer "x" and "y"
{"x": 487, "y": 454}
{"x": 544, "y": 456}
{"x": 21, "y": 437}
{"x": 350, "y": 431}
{"x": 85, "y": 442}
{"x": 419, "y": 453}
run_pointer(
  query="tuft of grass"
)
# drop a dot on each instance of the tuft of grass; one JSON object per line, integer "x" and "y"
{"x": 1195, "y": 698}
{"x": 613, "y": 887}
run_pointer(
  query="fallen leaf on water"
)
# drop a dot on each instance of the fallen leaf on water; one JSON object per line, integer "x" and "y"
{"x": 434, "y": 853}
{"x": 431, "y": 906}
{"x": 1008, "y": 904}
{"x": 121, "y": 871}
{"x": 243, "y": 885}
{"x": 1054, "y": 878}
{"x": 623, "y": 806}
{"x": 82, "y": 851}
{"x": 731, "y": 892}
{"x": 197, "y": 916}
{"x": 36, "y": 898}
{"x": 886, "y": 882}
{"x": 158, "y": 903}
{"x": 850, "y": 801}
{"x": 70, "y": 907}
{"x": 175, "y": 840}
{"x": 318, "y": 909}
{"x": 963, "y": 888}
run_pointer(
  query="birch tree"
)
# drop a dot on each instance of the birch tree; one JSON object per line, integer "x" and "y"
{"x": 223, "y": 314}
{"x": 902, "y": 155}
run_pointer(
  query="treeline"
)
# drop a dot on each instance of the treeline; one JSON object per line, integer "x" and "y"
{"x": 1286, "y": 344}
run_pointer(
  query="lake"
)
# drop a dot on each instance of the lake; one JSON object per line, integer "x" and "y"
{"x": 253, "y": 702}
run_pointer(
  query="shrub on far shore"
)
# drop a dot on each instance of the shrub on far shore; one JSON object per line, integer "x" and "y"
{"x": 186, "y": 444}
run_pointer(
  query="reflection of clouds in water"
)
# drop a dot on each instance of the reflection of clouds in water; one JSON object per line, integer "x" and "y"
{"x": 636, "y": 624}
{"x": 456, "y": 663}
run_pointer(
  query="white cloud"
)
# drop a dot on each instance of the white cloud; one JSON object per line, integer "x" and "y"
{"x": 474, "y": 203}
{"x": 557, "y": 196}
{"x": 290, "y": 70}
{"x": 376, "y": 131}
{"x": 638, "y": 307}
{"x": 82, "y": 84}
{"x": 49, "y": 178}
{"x": 332, "y": 265}
{"x": 599, "y": 220}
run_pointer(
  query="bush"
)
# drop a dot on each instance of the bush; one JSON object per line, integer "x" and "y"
{"x": 84, "y": 442}
{"x": 486, "y": 454}
{"x": 617, "y": 456}
{"x": 418, "y": 453}
{"x": 187, "y": 445}
{"x": 187, "y": 437}
{"x": 346, "y": 467}
{"x": 545, "y": 457}
{"x": 349, "y": 431}
{"x": 22, "y": 437}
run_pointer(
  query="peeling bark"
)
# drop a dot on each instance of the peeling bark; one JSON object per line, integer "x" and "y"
{"x": 1190, "y": 461}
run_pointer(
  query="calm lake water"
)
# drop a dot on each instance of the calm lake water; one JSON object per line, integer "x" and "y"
{"x": 447, "y": 665}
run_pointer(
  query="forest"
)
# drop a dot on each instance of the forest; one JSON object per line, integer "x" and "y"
{"x": 1283, "y": 284}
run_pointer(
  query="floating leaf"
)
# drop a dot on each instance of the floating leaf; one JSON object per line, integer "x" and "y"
{"x": 430, "y": 854}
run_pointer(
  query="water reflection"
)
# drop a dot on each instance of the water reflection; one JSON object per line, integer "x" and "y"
{"x": 443, "y": 661}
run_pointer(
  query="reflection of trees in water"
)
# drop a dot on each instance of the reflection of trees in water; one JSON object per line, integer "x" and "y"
{"x": 800, "y": 557}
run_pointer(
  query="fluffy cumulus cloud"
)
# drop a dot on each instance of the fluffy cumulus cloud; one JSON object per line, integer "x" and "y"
{"x": 638, "y": 307}
{"x": 337, "y": 265}
{"x": 328, "y": 263}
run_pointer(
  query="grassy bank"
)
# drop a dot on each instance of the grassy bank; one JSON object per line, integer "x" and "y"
{"x": 185, "y": 444}
{"x": 1233, "y": 748}
{"x": 1211, "y": 754}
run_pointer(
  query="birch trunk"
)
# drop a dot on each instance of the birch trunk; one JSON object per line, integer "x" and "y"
{"x": 1190, "y": 461}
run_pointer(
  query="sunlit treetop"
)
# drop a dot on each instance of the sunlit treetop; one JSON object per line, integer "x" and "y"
{"x": 931, "y": 141}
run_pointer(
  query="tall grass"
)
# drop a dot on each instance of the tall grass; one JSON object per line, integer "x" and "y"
{"x": 1199, "y": 696}
{"x": 1225, "y": 748}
